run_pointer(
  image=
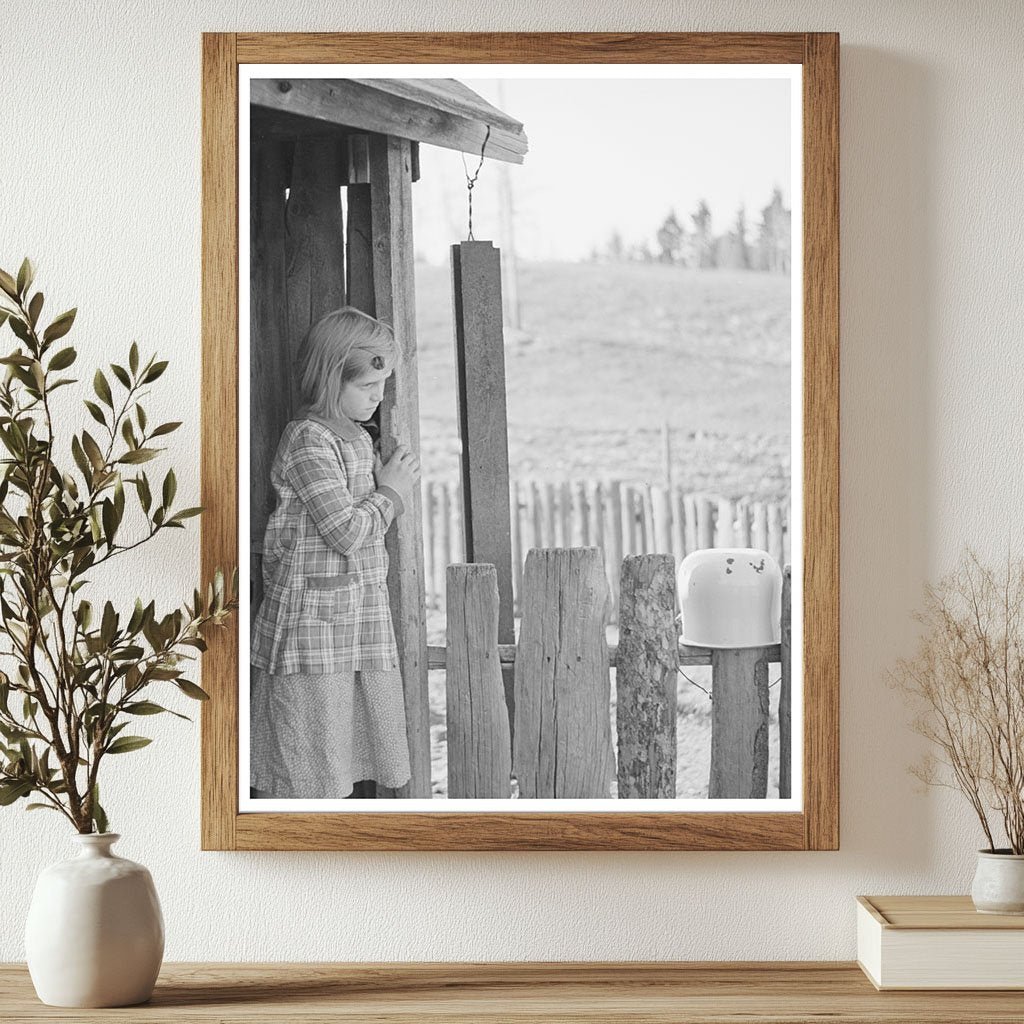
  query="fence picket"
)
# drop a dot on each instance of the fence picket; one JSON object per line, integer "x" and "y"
{"x": 645, "y": 678}
{"x": 614, "y": 536}
{"x": 479, "y": 750}
{"x": 563, "y": 744}
{"x": 661, "y": 510}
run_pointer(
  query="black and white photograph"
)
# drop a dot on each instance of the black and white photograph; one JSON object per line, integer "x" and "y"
{"x": 521, "y": 440}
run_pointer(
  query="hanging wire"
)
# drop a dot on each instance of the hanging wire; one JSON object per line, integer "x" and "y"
{"x": 470, "y": 182}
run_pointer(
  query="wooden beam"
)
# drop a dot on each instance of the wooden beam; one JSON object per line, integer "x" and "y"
{"x": 363, "y": 104}
{"x": 521, "y": 47}
{"x": 646, "y": 679}
{"x": 739, "y": 724}
{"x": 268, "y": 337}
{"x": 479, "y": 742}
{"x": 483, "y": 427}
{"x": 688, "y": 656}
{"x": 315, "y": 248}
{"x": 562, "y": 747}
{"x": 219, "y": 431}
{"x": 395, "y": 303}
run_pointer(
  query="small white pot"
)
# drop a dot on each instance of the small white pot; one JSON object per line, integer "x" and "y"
{"x": 95, "y": 933}
{"x": 999, "y": 883}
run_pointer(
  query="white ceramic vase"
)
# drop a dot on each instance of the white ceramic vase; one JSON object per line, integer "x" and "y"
{"x": 95, "y": 933}
{"x": 999, "y": 883}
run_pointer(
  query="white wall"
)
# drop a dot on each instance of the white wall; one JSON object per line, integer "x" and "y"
{"x": 100, "y": 183}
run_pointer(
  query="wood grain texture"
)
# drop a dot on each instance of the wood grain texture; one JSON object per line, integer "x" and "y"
{"x": 817, "y": 826}
{"x": 527, "y": 993}
{"x": 645, "y": 682}
{"x": 367, "y": 105}
{"x": 479, "y": 744}
{"x": 219, "y": 425}
{"x": 395, "y": 303}
{"x": 447, "y": 830}
{"x": 269, "y": 406}
{"x": 563, "y": 746}
{"x": 483, "y": 426}
{"x": 521, "y": 48}
{"x": 945, "y": 912}
{"x": 314, "y": 249}
{"x": 821, "y": 441}
{"x": 739, "y": 724}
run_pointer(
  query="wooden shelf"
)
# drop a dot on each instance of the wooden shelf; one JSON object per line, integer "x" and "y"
{"x": 664, "y": 993}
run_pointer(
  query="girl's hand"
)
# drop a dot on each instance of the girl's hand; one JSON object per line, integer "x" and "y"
{"x": 400, "y": 473}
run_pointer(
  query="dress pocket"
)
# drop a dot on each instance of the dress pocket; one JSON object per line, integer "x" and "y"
{"x": 330, "y": 598}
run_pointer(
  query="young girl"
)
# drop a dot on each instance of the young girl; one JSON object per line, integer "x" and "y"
{"x": 326, "y": 700}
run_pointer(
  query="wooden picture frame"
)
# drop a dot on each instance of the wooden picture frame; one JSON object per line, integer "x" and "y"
{"x": 816, "y": 826}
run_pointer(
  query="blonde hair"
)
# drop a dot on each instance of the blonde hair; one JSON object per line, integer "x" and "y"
{"x": 340, "y": 347}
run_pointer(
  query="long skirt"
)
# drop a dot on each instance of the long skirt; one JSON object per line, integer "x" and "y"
{"x": 313, "y": 736}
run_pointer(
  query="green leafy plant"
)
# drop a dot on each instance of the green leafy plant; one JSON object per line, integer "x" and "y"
{"x": 81, "y": 672}
{"x": 966, "y": 682}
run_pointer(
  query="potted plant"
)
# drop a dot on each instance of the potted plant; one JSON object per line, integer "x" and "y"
{"x": 81, "y": 672}
{"x": 967, "y": 684}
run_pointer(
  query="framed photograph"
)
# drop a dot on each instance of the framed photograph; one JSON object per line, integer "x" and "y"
{"x": 520, "y": 419}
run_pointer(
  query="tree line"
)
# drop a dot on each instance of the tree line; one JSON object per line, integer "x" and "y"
{"x": 765, "y": 246}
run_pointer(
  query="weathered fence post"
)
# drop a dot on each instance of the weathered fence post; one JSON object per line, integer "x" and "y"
{"x": 785, "y": 698}
{"x": 563, "y": 743}
{"x": 646, "y": 676}
{"x": 479, "y": 751}
{"x": 739, "y": 724}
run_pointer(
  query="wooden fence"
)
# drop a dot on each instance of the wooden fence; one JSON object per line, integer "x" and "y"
{"x": 621, "y": 518}
{"x": 561, "y": 745}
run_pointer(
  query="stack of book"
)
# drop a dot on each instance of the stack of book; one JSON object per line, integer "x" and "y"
{"x": 938, "y": 942}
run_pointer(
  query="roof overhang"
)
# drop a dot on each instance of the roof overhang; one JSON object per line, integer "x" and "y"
{"x": 438, "y": 111}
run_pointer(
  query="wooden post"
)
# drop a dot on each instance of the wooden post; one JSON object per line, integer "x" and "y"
{"x": 269, "y": 403}
{"x": 315, "y": 242}
{"x": 483, "y": 428}
{"x": 562, "y": 746}
{"x": 359, "y": 236}
{"x": 785, "y": 688}
{"x": 739, "y": 724}
{"x": 395, "y": 302}
{"x": 479, "y": 751}
{"x": 645, "y": 678}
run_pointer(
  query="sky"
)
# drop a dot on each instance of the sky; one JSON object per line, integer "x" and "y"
{"x": 613, "y": 155}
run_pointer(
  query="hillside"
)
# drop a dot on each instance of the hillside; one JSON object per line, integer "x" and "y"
{"x": 607, "y": 354}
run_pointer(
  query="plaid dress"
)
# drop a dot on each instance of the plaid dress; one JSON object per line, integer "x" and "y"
{"x": 326, "y": 702}
{"x": 325, "y": 603}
